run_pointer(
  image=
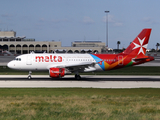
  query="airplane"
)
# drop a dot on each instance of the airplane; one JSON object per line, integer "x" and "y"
{"x": 60, "y": 65}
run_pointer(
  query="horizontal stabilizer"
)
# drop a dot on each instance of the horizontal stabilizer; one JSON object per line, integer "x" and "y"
{"x": 144, "y": 58}
{"x": 137, "y": 59}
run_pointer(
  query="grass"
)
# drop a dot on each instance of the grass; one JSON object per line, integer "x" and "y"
{"x": 79, "y": 103}
{"x": 135, "y": 70}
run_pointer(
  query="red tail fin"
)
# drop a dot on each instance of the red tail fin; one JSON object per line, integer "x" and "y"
{"x": 139, "y": 45}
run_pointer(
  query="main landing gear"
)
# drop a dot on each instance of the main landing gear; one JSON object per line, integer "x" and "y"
{"x": 77, "y": 77}
{"x": 29, "y": 75}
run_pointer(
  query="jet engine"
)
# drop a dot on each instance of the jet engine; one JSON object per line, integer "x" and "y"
{"x": 56, "y": 72}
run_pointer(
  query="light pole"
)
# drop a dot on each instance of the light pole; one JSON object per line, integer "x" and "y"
{"x": 106, "y": 28}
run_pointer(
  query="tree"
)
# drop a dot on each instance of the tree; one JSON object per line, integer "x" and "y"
{"x": 157, "y": 45}
{"x": 118, "y": 43}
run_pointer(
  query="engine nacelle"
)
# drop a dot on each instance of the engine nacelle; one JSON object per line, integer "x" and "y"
{"x": 56, "y": 72}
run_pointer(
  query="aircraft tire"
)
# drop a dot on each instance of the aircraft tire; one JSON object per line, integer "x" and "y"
{"x": 60, "y": 76}
{"x": 29, "y": 77}
{"x": 78, "y": 77}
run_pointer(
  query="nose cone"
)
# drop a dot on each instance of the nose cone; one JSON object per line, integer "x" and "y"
{"x": 10, "y": 65}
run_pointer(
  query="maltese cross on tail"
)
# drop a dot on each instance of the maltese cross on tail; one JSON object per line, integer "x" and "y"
{"x": 140, "y": 45}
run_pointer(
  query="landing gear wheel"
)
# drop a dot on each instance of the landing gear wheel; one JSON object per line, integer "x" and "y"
{"x": 78, "y": 77}
{"x": 60, "y": 76}
{"x": 29, "y": 75}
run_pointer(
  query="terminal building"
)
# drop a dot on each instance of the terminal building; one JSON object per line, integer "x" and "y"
{"x": 23, "y": 45}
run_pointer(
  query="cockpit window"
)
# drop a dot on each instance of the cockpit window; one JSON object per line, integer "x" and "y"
{"x": 17, "y": 59}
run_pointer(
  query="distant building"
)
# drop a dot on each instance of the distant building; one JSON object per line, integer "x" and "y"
{"x": 23, "y": 45}
{"x": 88, "y": 44}
{"x": 7, "y": 34}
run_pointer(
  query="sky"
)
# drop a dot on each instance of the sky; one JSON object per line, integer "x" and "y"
{"x": 81, "y": 20}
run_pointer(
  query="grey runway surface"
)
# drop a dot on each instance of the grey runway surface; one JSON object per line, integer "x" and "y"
{"x": 87, "y": 81}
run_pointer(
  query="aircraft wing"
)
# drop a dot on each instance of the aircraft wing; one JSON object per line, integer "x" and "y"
{"x": 74, "y": 67}
{"x": 80, "y": 67}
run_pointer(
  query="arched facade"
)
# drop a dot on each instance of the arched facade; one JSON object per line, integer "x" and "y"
{"x": 37, "y": 48}
{"x": 25, "y": 49}
{"x": 21, "y": 47}
{"x": 83, "y": 51}
{"x": 76, "y": 51}
{"x": 44, "y": 47}
{"x": 69, "y": 51}
{"x": 12, "y": 48}
{"x": 4, "y": 47}
{"x": 89, "y": 51}
{"x": 31, "y": 48}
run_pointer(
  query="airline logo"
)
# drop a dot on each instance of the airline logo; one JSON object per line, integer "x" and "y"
{"x": 140, "y": 45}
{"x": 50, "y": 58}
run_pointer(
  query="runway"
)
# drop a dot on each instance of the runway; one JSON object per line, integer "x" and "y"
{"x": 87, "y": 81}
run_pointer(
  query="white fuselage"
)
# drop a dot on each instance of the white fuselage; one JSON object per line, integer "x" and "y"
{"x": 45, "y": 61}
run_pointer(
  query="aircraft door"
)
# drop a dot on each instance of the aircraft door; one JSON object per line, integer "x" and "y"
{"x": 120, "y": 60}
{"x": 29, "y": 60}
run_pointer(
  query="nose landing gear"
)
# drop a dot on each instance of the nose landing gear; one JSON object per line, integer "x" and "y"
{"x": 29, "y": 75}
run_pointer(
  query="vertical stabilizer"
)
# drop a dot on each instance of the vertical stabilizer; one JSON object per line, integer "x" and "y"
{"x": 139, "y": 45}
